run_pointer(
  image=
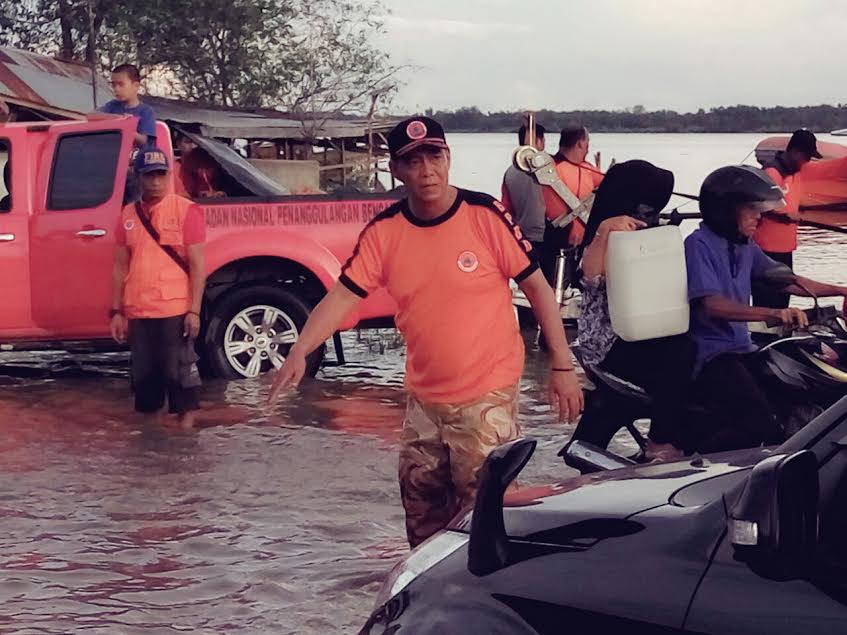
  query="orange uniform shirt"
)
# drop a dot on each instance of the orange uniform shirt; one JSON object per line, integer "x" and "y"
{"x": 450, "y": 279}
{"x": 582, "y": 179}
{"x": 781, "y": 237}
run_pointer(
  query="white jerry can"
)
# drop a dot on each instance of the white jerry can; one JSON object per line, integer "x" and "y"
{"x": 647, "y": 283}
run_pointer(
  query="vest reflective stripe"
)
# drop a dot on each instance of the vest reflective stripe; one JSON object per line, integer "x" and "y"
{"x": 155, "y": 285}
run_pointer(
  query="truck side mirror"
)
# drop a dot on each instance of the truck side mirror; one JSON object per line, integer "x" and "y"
{"x": 774, "y": 524}
{"x": 488, "y": 546}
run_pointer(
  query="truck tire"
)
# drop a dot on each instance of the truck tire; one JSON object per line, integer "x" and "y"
{"x": 251, "y": 329}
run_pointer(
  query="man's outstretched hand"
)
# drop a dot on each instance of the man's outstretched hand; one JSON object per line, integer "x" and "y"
{"x": 289, "y": 375}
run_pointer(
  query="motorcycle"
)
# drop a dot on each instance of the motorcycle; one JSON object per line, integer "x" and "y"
{"x": 803, "y": 371}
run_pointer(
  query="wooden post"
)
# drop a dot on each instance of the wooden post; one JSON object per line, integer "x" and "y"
{"x": 91, "y": 47}
{"x": 372, "y": 173}
{"x": 343, "y": 165}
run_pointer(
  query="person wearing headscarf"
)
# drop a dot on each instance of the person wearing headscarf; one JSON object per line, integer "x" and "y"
{"x": 630, "y": 198}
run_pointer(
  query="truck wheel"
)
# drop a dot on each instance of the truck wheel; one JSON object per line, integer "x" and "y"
{"x": 251, "y": 331}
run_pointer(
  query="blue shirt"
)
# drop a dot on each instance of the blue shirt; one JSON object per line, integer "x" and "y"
{"x": 144, "y": 113}
{"x": 711, "y": 272}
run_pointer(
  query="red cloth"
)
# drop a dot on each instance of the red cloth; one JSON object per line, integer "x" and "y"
{"x": 199, "y": 173}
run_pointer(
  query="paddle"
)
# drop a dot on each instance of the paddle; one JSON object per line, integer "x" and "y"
{"x": 675, "y": 217}
{"x": 825, "y": 207}
{"x": 833, "y": 228}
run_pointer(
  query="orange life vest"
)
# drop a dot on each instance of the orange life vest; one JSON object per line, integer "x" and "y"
{"x": 776, "y": 233}
{"x": 581, "y": 179}
{"x": 155, "y": 286}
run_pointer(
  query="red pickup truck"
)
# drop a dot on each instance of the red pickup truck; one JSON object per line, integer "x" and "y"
{"x": 269, "y": 260}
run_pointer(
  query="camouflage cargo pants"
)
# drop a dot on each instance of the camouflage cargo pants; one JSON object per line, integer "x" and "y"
{"x": 442, "y": 448}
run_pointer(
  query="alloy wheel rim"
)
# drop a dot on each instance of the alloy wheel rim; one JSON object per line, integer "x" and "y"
{"x": 257, "y": 338}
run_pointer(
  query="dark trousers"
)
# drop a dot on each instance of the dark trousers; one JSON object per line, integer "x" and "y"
{"x": 162, "y": 365}
{"x": 772, "y": 298}
{"x": 728, "y": 385}
{"x": 663, "y": 367}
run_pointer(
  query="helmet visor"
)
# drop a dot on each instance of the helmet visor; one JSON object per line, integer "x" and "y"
{"x": 762, "y": 207}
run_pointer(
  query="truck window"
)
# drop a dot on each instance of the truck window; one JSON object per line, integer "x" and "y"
{"x": 6, "y": 181}
{"x": 84, "y": 170}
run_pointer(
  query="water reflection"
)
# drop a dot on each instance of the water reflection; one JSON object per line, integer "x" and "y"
{"x": 281, "y": 519}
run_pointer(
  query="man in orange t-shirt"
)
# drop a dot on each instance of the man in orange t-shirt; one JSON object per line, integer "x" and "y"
{"x": 446, "y": 256}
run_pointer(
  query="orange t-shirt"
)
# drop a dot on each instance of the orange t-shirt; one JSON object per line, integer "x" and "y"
{"x": 581, "y": 179}
{"x": 450, "y": 279}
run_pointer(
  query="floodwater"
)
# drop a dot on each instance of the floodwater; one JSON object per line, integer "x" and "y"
{"x": 263, "y": 520}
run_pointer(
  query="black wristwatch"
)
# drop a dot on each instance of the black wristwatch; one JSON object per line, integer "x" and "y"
{"x": 114, "y": 312}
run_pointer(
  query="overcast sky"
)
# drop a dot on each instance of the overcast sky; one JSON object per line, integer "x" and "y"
{"x": 592, "y": 54}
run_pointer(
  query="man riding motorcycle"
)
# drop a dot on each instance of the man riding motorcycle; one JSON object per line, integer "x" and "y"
{"x": 722, "y": 264}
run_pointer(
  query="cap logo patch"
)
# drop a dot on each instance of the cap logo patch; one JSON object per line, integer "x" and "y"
{"x": 154, "y": 157}
{"x": 468, "y": 262}
{"x": 416, "y": 130}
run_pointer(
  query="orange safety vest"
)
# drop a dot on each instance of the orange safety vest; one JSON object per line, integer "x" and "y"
{"x": 775, "y": 236}
{"x": 155, "y": 286}
{"x": 581, "y": 179}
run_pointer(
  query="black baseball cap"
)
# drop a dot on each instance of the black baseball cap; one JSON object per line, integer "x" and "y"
{"x": 413, "y": 133}
{"x": 805, "y": 141}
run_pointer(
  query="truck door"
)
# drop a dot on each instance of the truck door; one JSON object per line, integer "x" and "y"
{"x": 14, "y": 221}
{"x": 80, "y": 190}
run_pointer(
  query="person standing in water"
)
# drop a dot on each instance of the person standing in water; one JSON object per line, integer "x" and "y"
{"x": 158, "y": 284}
{"x": 580, "y": 177}
{"x": 446, "y": 256}
{"x": 523, "y": 198}
{"x": 777, "y": 231}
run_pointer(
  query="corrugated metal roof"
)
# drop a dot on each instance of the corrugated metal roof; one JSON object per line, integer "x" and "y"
{"x": 40, "y": 81}
{"x": 64, "y": 88}
{"x": 244, "y": 124}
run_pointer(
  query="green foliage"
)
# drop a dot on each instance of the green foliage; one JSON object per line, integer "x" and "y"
{"x": 306, "y": 56}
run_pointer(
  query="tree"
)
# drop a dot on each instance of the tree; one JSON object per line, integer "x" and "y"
{"x": 308, "y": 57}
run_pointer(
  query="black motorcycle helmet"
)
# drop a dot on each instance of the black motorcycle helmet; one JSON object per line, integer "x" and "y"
{"x": 727, "y": 188}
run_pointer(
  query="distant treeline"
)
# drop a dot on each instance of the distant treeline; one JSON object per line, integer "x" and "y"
{"x": 638, "y": 119}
